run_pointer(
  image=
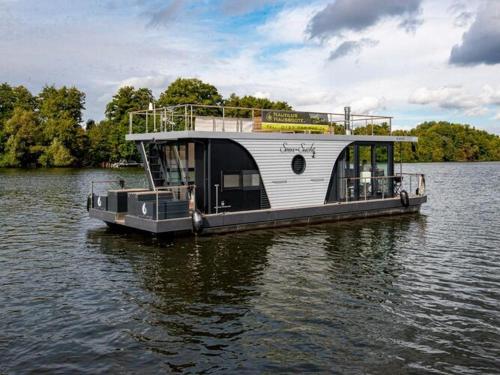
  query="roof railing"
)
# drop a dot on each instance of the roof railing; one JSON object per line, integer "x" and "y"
{"x": 214, "y": 118}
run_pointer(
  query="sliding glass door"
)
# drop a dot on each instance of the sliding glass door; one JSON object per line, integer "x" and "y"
{"x": 362, "y": 171}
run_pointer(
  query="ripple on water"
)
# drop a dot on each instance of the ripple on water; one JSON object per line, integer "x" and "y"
{"x": 419, "y": 293}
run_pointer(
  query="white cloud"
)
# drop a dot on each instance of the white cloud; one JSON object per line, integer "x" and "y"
{"x": 497, "y": 117}
{"x": 154, "y": 82}
{"x": 262, "y": 95}
{"x": 454, "y": 97}
{"x": 289, "y": 26}
{"x": 490, "y": 95}
{"x": 462, "y": 13}
{"x": 473, "y": 104}
{"x": 476, "y": 111}
{"x": 100, "y": 51}
{"x": 367, "y": 105}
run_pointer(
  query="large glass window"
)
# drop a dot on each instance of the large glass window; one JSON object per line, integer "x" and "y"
{"x": 191, "y": 162}
{"x": 350, "y": 173}
{"x": 365, "y": 171}
{"x": 179, "y": 159}
{"x": 174, "y": 176}
{"x": 381, "y": 183}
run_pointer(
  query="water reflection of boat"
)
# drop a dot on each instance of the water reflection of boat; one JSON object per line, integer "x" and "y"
{"x": 248, "y": 299}
{"x": 232, "y": 169}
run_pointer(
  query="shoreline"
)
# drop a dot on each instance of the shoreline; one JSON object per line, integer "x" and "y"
{"x": 141, "y": 168}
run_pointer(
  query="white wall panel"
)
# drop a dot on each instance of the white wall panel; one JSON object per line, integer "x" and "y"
{"x": 285, "y": 188}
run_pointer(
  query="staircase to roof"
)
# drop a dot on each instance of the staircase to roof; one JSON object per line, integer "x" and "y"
{"x": 155, "y": 165}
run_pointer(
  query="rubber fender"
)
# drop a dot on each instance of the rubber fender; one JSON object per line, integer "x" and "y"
{"x": 405, "y": 198}
{"x": 197, "y": 220}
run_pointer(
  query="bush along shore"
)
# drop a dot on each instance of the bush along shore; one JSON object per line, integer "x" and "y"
{"x": 45, "y": 130}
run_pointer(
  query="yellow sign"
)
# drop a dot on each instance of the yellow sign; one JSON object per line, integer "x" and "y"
{"x": 294, "y": 127}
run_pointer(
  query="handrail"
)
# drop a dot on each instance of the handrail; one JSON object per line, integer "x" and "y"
{"x": 159, "y": 109}
{"x": 120, "y": 182}
{"x": 184, "y": 116}
{"x": 189, "y": 189}
{"x": 398, "y": 177}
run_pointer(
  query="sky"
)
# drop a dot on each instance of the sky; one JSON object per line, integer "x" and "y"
{"x": 416, "y": 60}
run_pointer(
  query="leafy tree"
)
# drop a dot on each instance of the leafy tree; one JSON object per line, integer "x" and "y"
{"x": 125, "y": 100}
{"x": 24, "y": 144}
{"x": 65, "y": 102}
{"x": 69, "y": 134}
{"x": 249, "y": 101}
{"x": 11, "y": 98}
{"x": 190, "y": 91}
{"x": 99, "y": 149}
{"x": 89, "y": 124}
{"x": 444, "y": 141}
{"x": 56, "y": 155}
{"x": 116, "y": 125}
{"x": 14, "y": 97}
{"x": 61, "y": 115}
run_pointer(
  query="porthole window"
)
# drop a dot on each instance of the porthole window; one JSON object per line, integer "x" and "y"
{"x": 298, "y": 164}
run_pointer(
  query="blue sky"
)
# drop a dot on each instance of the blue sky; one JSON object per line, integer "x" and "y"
{"x": 417, "y": 60}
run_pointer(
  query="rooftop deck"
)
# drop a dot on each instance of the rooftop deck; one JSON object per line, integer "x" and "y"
{"x": 209, "y": 118}
{"x": 208, "y": 121}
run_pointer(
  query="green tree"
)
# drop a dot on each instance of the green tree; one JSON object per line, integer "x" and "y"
{"x": 125, "y": 100}
{"x": 190, "y": 91}
{"x": 61, "y": 115}
{"x": 249, "y": 101}
{"x": 65, "y": 102}
{"x": 11, "y": 98}
{"x": 444, "y": 141}
{"x": 24, "y": 144}
{"x": 56, "y": 155}
{"x": 107, "y": 138}
{"x": 99, "y": 149}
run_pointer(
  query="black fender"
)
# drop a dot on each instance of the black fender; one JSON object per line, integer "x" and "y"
{"x": 405, "y": 198}
{"x": 197, "y": 221}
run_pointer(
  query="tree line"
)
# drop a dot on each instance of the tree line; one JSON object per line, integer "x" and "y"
{"x": 46, "y": 129}
{"x": 441, "y": 141}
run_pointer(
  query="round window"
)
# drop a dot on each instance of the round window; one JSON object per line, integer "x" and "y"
{"x": 298, "y": 164}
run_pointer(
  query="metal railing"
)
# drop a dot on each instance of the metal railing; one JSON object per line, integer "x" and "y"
{"x": 390, "y": 187}
{"x": 119, "y": 181}
{"x": 413, "y": 183}
{"x": 180, "y": 192}
{"x": 215, "y": 118}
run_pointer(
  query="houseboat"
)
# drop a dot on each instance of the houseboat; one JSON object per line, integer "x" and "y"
{"x": 212, "y": 169}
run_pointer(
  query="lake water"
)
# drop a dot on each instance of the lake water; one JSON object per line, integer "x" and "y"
{"x": 409, "y": 294}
